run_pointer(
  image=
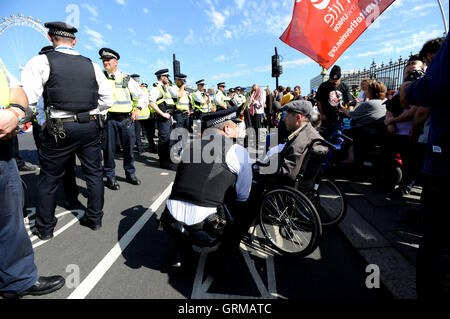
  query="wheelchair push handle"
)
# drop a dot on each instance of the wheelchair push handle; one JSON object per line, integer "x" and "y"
{"x": 345, "y": 137}
{"x": 323, "y": 142}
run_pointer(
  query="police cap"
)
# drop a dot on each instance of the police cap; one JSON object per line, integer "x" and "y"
{"x": 211, "y": 119}
{"x": 201, "y": 82}
{"x": 61, "y": 29}
{"x": 221, "y": 84}
{"x": 162, "y": 72}
{"x": 180, "y": 76}
{"x": 106, "y": 53}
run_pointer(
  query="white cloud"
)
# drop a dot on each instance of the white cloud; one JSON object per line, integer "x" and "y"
{"x": 109, "y": 27}
{"x": 145, "y": 10}
{"x": 87, "y": 46}
{"x": 121, "y": 2}
{"x": 131, "y": 30}
{"x": 217, "y": 18}
{"x": 95, "y": 37}
{"x": 190, "y": 37}
{"x": 91, "y": 9}
{"x": 240, "y": 3}
{"x": 228, "y": 34}
{"x": 222, "y": 76}
{"x": 220, "y": 58}
{"x": 164, "y": 40}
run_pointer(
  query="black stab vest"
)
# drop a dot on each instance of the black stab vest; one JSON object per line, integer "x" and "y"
{"x": 72, "y": 85}
{"x": 204, "y": 184}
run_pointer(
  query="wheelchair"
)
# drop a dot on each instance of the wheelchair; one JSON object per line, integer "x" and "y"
{"x": 288, "y": 215}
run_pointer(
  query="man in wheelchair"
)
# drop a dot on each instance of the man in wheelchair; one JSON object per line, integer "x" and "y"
{"x": 289, "y": 157}
{"x": 210, "y": 168}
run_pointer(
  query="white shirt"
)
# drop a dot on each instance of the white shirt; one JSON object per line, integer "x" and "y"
{"x": 198, "y": 97}
{"x": 220, "y": 98}
{"x": 155, "y": 93}
{"x": 239, "y": 163}
{"x": 36, "y": 74}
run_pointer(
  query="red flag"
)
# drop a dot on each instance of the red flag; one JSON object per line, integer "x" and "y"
{"x": 324, "y": 29}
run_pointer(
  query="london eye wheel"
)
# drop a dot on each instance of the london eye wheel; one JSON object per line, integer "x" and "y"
{"x": 21, "y": 38}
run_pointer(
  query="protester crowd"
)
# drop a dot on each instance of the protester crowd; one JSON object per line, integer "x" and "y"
{"x": 103, "y": 118}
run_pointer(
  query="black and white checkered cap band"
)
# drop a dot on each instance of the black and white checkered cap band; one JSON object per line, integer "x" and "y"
{"x": 216, "y": 121}
{"x": 61, "y": 33}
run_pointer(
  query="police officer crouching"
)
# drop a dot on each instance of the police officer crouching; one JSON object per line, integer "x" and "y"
{"x": 161, "y": 101}
{"x": 75, "y": 91}
{"x": 200, "y": 188}
{"x": 121, "y": 118}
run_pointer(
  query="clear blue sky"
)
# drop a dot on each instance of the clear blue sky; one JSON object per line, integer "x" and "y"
{"x": 217, "y": 40}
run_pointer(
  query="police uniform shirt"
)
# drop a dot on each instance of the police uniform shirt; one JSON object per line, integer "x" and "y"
{"x": 155, "y": 93}
{"x": 134, "y": 88}
{"x": 220, "y": 98}
{"x": 36, "y": 74}
{"x": 199, "y": 98}
{"x": 239, "y": 163}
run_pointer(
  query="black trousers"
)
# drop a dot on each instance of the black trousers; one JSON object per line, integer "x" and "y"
{"x": 433, "y": 258}
{"x": 164, "y": 130}
{"x": 148, "y": 126}
{"x": 83, "y": 140}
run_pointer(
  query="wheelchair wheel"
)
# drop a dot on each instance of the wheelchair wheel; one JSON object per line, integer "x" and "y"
{"x": 329, "y": 202}
{"x": 290, "y": 222}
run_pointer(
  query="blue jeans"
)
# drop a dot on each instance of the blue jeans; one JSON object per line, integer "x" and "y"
{"x": 17, "y": 269}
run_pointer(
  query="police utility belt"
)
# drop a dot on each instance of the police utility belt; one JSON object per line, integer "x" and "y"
{"x": 214, "y": 225}
{"x": 56, "y": 128}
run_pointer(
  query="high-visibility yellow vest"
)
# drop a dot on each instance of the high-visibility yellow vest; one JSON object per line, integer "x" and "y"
{"x": 183, "y": 102}
{"x": 204, "y": 108}
{"x": 166, "y": 97}
{"x": 122, "y": 96}
{"x": 145, "y": 112}
{"x": 4, "y": 87}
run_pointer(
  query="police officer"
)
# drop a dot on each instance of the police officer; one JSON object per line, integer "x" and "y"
{"x": 161, "y": 101}
{"x": 69, "y": 179}
{"x": 144, "y": 114}
{"x": 200, "y": 100}
{"x": 121, "y": 118}
{"x": 74, "y": 91}
{"x": 18, "y": 273}
{"x": 181, "y": 100}
{"x": 193, "y": 204}
{"x": 220, "y": 98}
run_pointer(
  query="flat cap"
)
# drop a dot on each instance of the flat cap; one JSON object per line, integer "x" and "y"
{"x": 106, "y": 53}
{"x": 211, "y": 119}
{"x": 46, "y": 49}
{"x": 162, "y": 72}
{"x": 201, "y": 82}
{"x": 231, "y": 90}
{"x": 135, "y": 75}
{"x": 61, "y": 29}
{"x": 299, "y": 106}
{"x": 237, "y": 88}
{"x": 221, "y": 84}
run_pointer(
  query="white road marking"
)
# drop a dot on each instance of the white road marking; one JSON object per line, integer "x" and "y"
{"x": 100, "y": 270}
{"x": 29, "y": 225}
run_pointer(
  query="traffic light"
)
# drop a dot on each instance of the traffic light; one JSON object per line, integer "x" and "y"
{"x": 277, "y": 68}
